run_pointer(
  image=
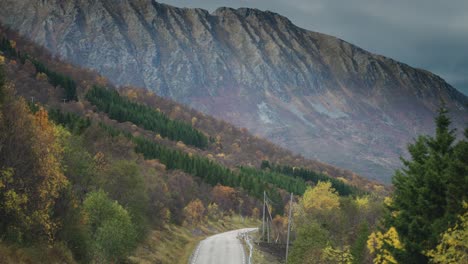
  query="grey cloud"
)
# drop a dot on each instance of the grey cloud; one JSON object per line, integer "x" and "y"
{"x": 428, "y": 34}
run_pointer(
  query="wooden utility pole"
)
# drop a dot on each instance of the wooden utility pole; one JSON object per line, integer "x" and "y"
{"x": 268, "y": 230}
{"x": 289, "y": 227}
{"x": 263, "y": 221}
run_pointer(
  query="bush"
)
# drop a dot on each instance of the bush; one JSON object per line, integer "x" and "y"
{"x": 110, "y": 226}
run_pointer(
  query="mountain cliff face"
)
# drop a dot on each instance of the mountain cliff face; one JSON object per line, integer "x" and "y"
{"x": 312, "y": 93}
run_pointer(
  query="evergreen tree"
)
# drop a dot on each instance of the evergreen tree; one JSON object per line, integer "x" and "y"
{"x": 122, "y": 110}
{"x": 419, "y": 210}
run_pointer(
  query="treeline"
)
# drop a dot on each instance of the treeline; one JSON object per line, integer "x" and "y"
{"x": 57, "y": 79}
{"x": 424, "y": 220}
{"x": 68, "y": 194}
{"x": 122, "y": 110}
{"x": 428, "y": 208}
{"x": 8, "y": 50}
{"x": 73, "y": 122}
{"x": 342, "y": 188}
{"x": 54, "y": 78}
{"x": 253, "y": 181}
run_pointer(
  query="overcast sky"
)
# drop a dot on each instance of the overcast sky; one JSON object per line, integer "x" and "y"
{"x": 428, "y": 34}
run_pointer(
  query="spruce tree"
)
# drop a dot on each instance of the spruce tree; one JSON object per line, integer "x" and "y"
{"x": 419, "y": 210}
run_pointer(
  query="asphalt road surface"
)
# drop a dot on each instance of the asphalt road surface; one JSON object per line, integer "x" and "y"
{"x": 222, "y": 248}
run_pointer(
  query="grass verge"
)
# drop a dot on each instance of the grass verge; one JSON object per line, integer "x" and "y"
{"x": 175, "y": 244}
{"x": 56, "y": 253}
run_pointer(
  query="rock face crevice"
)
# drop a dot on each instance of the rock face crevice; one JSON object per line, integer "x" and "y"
{"x": 312, "y": 93}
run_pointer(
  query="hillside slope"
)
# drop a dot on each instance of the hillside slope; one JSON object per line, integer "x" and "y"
{"x": 77, "y": 158}
{"x": 309, "y": 92}
{"x": 228, "y": 146}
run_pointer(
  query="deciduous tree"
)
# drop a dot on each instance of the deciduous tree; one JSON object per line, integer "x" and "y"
{"x": 194, "y": 212}
{"x": 111, "y": 227}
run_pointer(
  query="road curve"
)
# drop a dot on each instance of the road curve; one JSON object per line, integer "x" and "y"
{"x": 222, "y": 248}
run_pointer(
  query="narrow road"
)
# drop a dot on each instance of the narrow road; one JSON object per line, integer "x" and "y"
{"x": 222, "y": 248}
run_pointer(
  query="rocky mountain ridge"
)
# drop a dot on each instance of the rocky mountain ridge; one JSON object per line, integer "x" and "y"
{"x": 312, "y": 93}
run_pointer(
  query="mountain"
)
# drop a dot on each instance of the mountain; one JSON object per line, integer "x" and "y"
{"x": 312, "y": 93}
{"x": 40, "y": 78}
{"x": 79, "y": 153}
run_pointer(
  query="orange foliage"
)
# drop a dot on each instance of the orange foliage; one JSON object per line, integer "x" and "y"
{"x": 49, "y": 153}
{"x": 225, "y": 197}
{"x": 255, "y": 213}
{"x": 194, "y": 212}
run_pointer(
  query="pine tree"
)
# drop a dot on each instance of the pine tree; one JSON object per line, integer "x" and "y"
{"x": 419, "y": 210}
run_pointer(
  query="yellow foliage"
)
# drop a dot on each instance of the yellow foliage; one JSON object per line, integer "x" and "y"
{"x": 343, "y": 179}
{"x": 453, "y": 246}
{"x": 132, "y": 94}
{"x": 321, "y": 197}
{"x": 50, "y": 153}
{"x": 379, "y": 189}
{"x": 13, "y": 44}
{"x": 332, "y": 255}
{"x": 194, "y": 212}
{"x": 28, "y": 197}
{"x": 388, "y": 201}
{"x": 362, "y": 202}
{"x": 166, "y": 215}
{"x": 376, "y": 245}
{"x": 100, "y": 160}
{"x": 2, "y": 59}
{"x": 255, "y": 213}
{"x": 41, "y": 76}
{"x": 194, "y": 121}
{"x": 6, "y": 177}
{"x": 214, "y": 213}
{"x": 101, "y": 81}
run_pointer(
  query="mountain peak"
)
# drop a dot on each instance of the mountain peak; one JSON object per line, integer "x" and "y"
{"x": 312, "y": 93}
{"x": 245, "y": 12}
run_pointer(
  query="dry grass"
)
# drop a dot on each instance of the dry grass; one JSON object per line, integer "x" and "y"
{"x": 35, "y": 254}
{"x": 175, "y": 244}
{"x": 172, "y": 244}
{"x": 262, "y": 257}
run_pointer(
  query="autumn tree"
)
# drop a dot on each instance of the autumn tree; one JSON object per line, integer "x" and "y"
{"x": 159, "y": 197}
{"x": 384, "y": 246}
{"x": 453, "y": 247}
{"x": 312, "y": 215}
{"x": 194, "y": 212}
{"x": 225, "y": 197}
{"x": 256, "y": 213}
{"x": 322, "y": 197}
{"x": 280, "y": 224}
{"x": 338, "y": 256}
{"x": 32, "y": 177}
{"x": 213, "y": 212}
{"x": 123, "y": 182}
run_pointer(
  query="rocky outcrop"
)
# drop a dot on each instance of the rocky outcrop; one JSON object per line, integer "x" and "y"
{"x": 312, "y": 93}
